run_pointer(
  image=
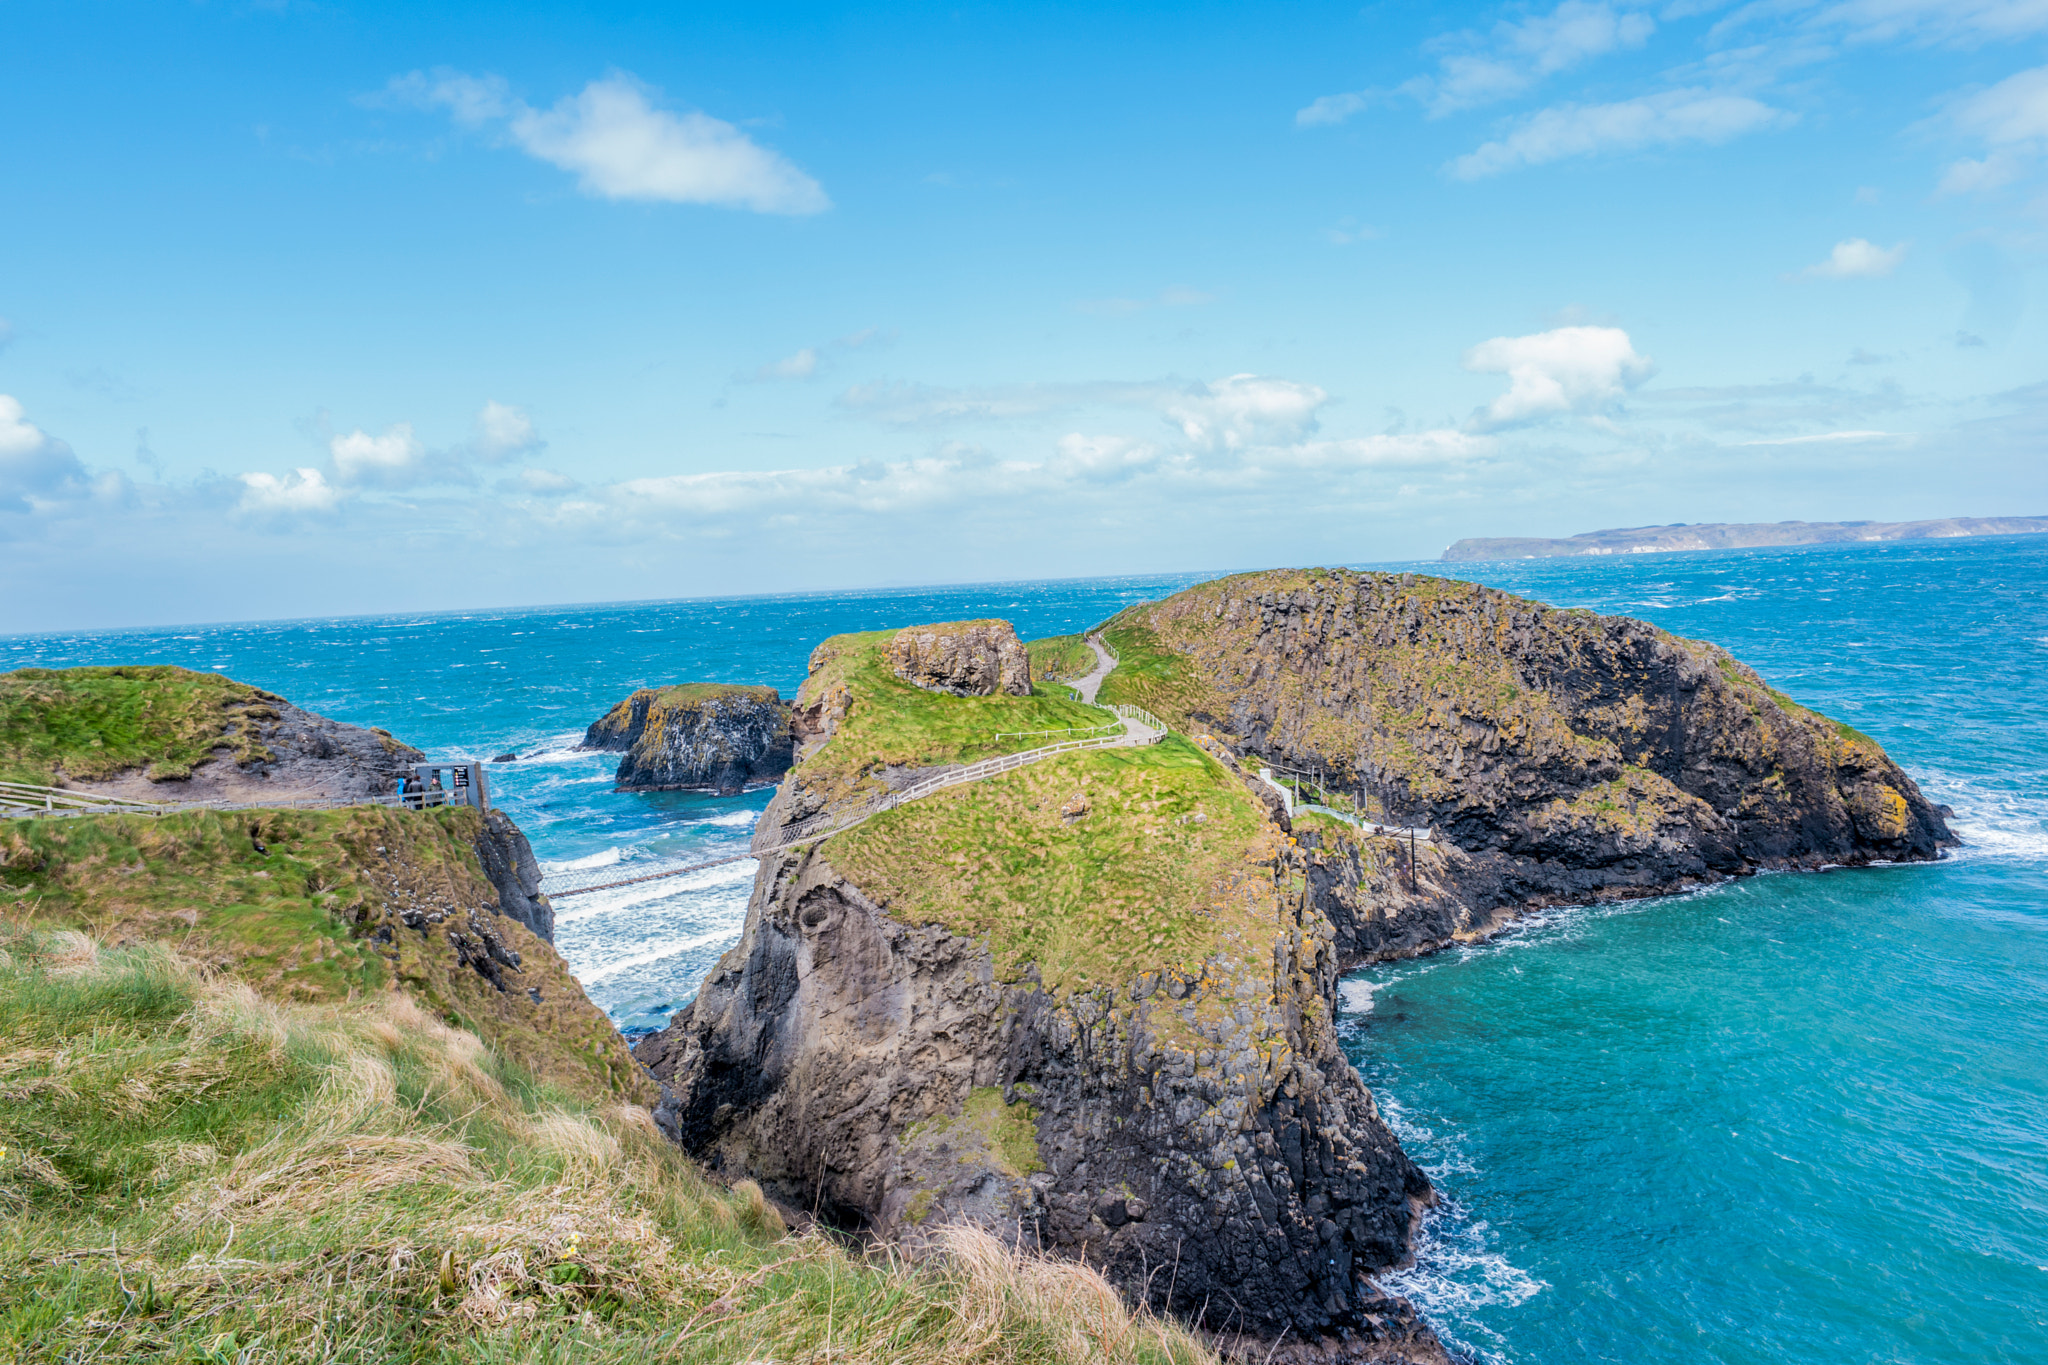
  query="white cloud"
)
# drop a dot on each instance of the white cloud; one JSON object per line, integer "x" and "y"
{"x": 957, "y": 480}
{"x": 1955, "y": 21}
{"x": 302, "y": 492}
{"x": 471, "y": 101}
{"x": 621, "y": 146}
{"x": 35, "y": 467}
{"x": 503, "y": 430}
{"x": 1509, "y": 61}
{"x": 1331, "y": 109}
{"x": 1244, "y": 410}
{"x": 802, "y": 365}
{"x": 1822, "y": 438}
{"x": 1584, "y": 370}
{"x": 393, "y": 459}
{"x": 1858, "y": 259}
{"x": 546, "y": 482}
{"x": 2011, "y": 118}
{"x": 1230, "y": 413}
{"x": 1689, "y": 115}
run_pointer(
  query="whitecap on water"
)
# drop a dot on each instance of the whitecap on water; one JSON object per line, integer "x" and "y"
{"x": 1991, "y": 822}
{"x": 604, "y": 859}
{"x": 653, "y": 953}
{"x": 1457, "y": 1272}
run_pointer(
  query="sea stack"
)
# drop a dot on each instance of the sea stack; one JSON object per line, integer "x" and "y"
{"x": 712, "y": 737}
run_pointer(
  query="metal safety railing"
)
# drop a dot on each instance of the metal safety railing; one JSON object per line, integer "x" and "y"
{"x": 466, "y": 786}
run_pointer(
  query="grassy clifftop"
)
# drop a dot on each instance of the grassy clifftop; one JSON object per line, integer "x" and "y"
{"x": 1091, "y": 868}
{"x": 95, "y": 722}
{"x": 881, "y": 721}
{"x": 189, "y": 1172}
{"x": 321, "y": 907}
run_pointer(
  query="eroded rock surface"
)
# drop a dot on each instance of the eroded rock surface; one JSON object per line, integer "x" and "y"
{"x": 293, "y": 753}
{"x": 697, "y": 736}
{"x": 965, "y": 658}
{"x": 1195, "y": 1129}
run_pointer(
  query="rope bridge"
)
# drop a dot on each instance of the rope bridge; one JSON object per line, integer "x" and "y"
{"x": 1139, "y": 727}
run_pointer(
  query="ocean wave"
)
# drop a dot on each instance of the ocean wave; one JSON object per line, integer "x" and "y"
{"x": 1992, "y": 822}
{"x": 655, "y": 953}
{"x": 605, "y": 859}
{"x": 595, "y": 904}
{"x": 1456, "y": 1273}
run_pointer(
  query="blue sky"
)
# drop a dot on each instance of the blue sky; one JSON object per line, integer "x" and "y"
{"x": 339, "y": 307}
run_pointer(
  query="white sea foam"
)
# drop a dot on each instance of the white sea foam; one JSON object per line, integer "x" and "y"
{"x": 654, "y": 953}
{"x": 604, "y": 859}
{"x": 1457, "y": 1269}
{"x": 1357, "y": 995}
{"x": 598, "y": 904}
{"x": 1992, "y": 822}
{"x": 1456, "y": 1273}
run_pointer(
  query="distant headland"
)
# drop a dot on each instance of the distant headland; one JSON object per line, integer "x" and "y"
{"x": 1638, "y": 540}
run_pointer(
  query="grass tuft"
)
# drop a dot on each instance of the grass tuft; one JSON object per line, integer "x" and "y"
{"x": 192, "y": 1173}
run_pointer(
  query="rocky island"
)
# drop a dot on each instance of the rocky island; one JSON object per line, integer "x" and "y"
{"x": 1090, "y": 1003}
{"x": 712, "y": 737}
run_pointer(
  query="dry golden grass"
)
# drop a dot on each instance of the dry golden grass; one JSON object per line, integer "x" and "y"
{"x": 192, "y": 1173}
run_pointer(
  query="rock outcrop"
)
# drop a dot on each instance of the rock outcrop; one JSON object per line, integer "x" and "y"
{"x": 508, "y": 862}
{"x": 697, "y": 736}
{"x": 965, "y": 658}
{"x": 1198, "y": 1137}
{"x": 1561, "y": 756}
{"x": 271, "y": 750}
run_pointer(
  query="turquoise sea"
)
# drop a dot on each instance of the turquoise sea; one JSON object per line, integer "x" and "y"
{"x": 1799, "y": 1118}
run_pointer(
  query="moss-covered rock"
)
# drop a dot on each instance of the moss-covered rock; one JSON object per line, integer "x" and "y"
{"x": 160, "y": 733}
{"x": 1135, "y": 975}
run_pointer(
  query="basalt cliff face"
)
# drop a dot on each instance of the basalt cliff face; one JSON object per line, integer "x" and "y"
{"x": 1559, "y": 755}
{"x": 697, "y": 736}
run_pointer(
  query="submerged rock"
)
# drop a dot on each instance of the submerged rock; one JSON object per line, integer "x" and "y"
{"x": 965, "y": 658}
{"x": 697, "y": 736}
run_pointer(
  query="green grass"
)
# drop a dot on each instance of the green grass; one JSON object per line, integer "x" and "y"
{"x": 189, "y": 1173}
{"x": 1135, "y": 884}
{"x": 1149, "y": 674}
{"x": 890, "y": 723}
{"x": 1059, "y": 658}
{"x": 94, "y": 722}
{"x": 297, "y": 921}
